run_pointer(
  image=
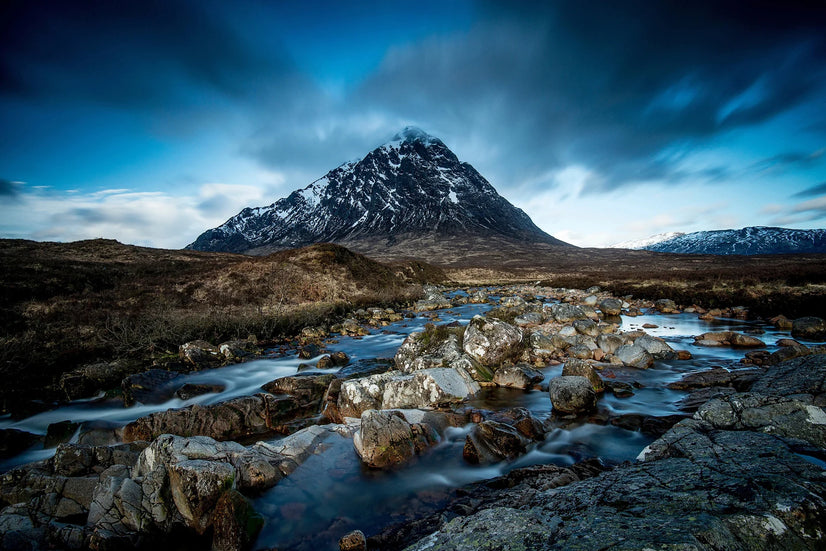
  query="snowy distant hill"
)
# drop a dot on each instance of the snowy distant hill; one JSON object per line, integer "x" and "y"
{"x": 648, "y": 241}
{"x": 411, "y": 186}
{"x": 746, "y": 241}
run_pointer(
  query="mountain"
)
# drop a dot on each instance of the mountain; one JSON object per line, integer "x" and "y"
{"x": 745, "y": 241}
{"x": 645, "y": 243}
{"x": 411, "y": 188}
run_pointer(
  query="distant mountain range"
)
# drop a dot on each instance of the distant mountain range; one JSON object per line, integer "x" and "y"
{"x": 745, "y": 241}
{"x": 413, "y": 188}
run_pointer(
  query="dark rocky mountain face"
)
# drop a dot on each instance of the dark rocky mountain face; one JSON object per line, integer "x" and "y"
{"x": 411, "y": 186}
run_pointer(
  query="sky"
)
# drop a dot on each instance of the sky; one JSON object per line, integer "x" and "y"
{"x": 151, "y": 121}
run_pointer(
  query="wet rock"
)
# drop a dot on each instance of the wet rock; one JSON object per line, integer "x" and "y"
{"x": 776, "y": 415}
{"x": 728, "y": 338}
{"x": 353, "y": 541}
{"x": 191, "y": 390}
{"x": 809, "y": 328}
{"x": 237, "y": 350}
{"x": 620, "y": 389}
{"x": 787, "y": 353}
{"x": 666, "y": 306}
{"x": 232, "y": 419}
{"x": 633, "y": 355}
{"x": 13, "y": 441}
{"x": 565, "y": 313}
{"x": 155, "y": 386}
{"x": 657, "y": 347}
{"x": 491, "y": 342}
{"x": 288, "y": 453}
{"x": 741, "y": 379}
{"x": 235, "y": 523}
{"x": 308, "y": 389}
{"x": 196, "y": 485}
{"x": 358, "y": 395}
{"x": 491, "y": 442}
{"x": 57, "y": 433}
{"x": 782, "y": 322}
{"x": 200, "y": 354}
{"x": 579, "y": 368}
{"x": 517, "y": 376}
{"x": 610, "y": 343}
{"x": 385, "y": 439}
{"x": 309, "y": 350}
{"x": 428, "y": 387}
{"x": 336, "y": 359}
{"x": 433, "y": 347}
{"x": 571, "y": 394}
{"x": 90, "y": 379}
{"x": 611, "y": 306}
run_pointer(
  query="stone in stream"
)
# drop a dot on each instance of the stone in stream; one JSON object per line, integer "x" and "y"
{"x": 809, "y": 328}
{"x": 657, "y": 347}
{"x": 571, "y": 394}
{"x": 491, "y": 442}
{"x": 429, "y": 387}
{"x": 154, "y": 386}
{"x": 740, "y": 379}
{"x": 610, "y": 343}
{"x": 666, "y": 306}
{"x": 191, "y": 390}
{"x": 517, "y": 376}
{"x": 235, "y": 523}
{"x": 386, "y": 439}
{"x": 575, "y": 367}
{"x": 611, "y": 306}
{"x": 633, "y": 355}
{"x": 565, "y": 313}
{"x": 491, "y": 342}
{"x": 353, "y": 541}
{"x": 728, "y": 338}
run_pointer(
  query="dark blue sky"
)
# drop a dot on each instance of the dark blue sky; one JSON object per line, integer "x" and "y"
{"x": 149, "y": 122}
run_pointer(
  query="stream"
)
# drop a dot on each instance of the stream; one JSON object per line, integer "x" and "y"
{"x": 332, "y": 493}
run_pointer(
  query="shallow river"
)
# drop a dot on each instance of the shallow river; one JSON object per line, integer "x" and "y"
{"x": 331, "y": 493}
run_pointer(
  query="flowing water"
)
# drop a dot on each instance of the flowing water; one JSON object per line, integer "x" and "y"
{"x": 332, "y": 493}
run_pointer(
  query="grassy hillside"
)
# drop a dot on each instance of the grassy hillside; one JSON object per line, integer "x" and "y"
{"x": 62, "y": 305}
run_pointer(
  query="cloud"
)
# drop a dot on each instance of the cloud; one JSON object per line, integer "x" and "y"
{"x": 155, "y": 218}
{"x": 806, "y": 211}
{"x": 814, "y": 191}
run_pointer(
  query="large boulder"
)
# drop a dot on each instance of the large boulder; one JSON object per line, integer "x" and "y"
{"x": 579, "y": 368}
{"x": 728, "y": 338}
{"x": 196, "y": 485}
{"x": 358, "y": 395}
{"x": 517, "y": 376}
{"x": 565, "y": 313}
{"x": 633, "y": 355}
{"x": 491, "y": 442}
{"x": 491, "y": 342}
{"x": 611, "y": 306}
{"x": 809, "y": 328}
{"x": 386, "y": 439}
{"x": 657, "y": 347}
{"x": 429, "y": 387}
{"x": 572, "y": 394}
{"x": 433, "y": 347}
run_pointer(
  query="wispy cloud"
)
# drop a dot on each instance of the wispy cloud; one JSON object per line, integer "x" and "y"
{"x": 814, "y": 191}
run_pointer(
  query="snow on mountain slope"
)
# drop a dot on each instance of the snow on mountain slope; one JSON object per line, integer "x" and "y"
{"x": 745, "y": 241}
{"x": 412, "y": 184}
{"x": 643, "y": 243}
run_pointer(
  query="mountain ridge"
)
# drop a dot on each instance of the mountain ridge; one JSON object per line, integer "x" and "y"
{"x": 411, "y": 185}
{"x": 751, "y": 240}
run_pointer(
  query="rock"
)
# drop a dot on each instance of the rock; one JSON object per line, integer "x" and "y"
{"x": 657, "y": 347}
{"x": 191, "y": 390}
{"x": 288, "y": 453}
{"x": 611, "y": 306}
{"x": 541, "y": 344}
{"x": 571, "y": 394}
{"x": 528, "y": 318}
{"x": 358, "y": 395}
{"x": 579, "y": 368}
{"x": 728, "y": 338}
{"x": 479, "y": 297}
{"x": 308, "y": 389}
{"x": 232, "y": 419}
{"x": 14, "y": 441}
{"x": 200, "y": 354}
{"x": 666, "y": 306}
{"x": 56, "y": 433}
{"x": 633, "y": 355}
{"x": 491, "y": 342}
{"x": 353, "y": 541}
{"x": 787, "y": 353}
{"x": 782, "y": 322}
{"x": 515, "y": 302}
{"x": 741, "y": 379}
{"x": 427, "y": 388}
{"x": 802, "y": 378}
{"x": 590, "y": 300}
{"x": 609, "y": 343}
{"x": 587, "y": 327}
{"x": 155, "y": 386}
{"x": 196, "y": 485}
{"x": 809, "y": 328}
{"x": 235, "y": 523}
{"x": 775, "y": 415}
{"x": 433, "y": 347}
{"x": 236, "y": 350}
{"x": 517, "y": 376}
{"x": 385, "y": 439}
{"x": 491, "y": 442}
{"x": 620, "y": 389}
{"x": 90, "y": 379}
{"x": 309, "y": 350}
{"x": 565, "y": 313}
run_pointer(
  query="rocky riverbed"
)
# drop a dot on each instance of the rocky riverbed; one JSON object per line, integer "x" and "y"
{"x": 507, "y": 418}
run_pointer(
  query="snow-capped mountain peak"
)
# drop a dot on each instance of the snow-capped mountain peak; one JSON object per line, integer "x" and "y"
{"x": 643, "y": 243}
{"x": 746, "y": 241}
{"x": 412, "y": 185}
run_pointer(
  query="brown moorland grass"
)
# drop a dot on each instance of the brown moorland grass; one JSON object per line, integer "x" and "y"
{"x": 63, "y": 305}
